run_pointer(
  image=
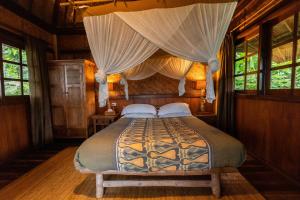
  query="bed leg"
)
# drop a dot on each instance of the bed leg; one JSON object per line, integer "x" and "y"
{"x": 99, "y": 186}
{"x": 215, "y": 184}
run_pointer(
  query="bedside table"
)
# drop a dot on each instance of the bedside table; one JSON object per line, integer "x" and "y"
{"x": 103, "y": 120}
{"x": 208, "y": 117}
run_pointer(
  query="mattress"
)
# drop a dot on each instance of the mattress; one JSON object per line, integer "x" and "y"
{"x": 144, "y": 145}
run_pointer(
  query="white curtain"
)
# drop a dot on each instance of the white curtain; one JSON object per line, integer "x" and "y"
{"x": 115, "y": 48}
{"x": 169, "y": 66}
{"x": 122, "y": 40}
{"x": 192, "y": 32}
{"x": 139, "y": 72}
{"x": 177, "y": 68}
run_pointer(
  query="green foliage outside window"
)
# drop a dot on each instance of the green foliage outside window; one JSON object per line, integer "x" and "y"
{"x": 281, "y": 78}
{"x": 239, "y": 82}
{"x": 297, "y": 79}
{"x": 239, "y": 67}
{"x": 24, "y": 57}
{"x": 12, "y": 71}
{"x": 240, "y": 51}
{"x": 26, "y": 89}
{"x": 12, "y": 88}
{"x": 252, "y": 63}
{"x": 25, "y": 73}
{"x": 246, "y": 64}
{"x": 251, "y": 82}
{"x": 10, "y": 53}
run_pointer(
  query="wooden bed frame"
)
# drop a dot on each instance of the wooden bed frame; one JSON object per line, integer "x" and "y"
{"x": 214, "y": 183}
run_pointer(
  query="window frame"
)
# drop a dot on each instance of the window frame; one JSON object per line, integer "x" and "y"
{"x": 245, "y": 58}
{"x": 292, "y": 91}
{"x": 21, "y": 47}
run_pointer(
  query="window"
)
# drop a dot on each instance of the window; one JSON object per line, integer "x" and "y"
{"x": 285, "y": 59}
{"x": 246, "y": 65}
{"x": 14, "y": 71}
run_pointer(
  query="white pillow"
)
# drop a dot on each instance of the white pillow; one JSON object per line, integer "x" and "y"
{"x": 173, "y": 108}
{"x": 175, "y": 115}
{"x": 139, "y": 115}
{"x": 139, "y": 108}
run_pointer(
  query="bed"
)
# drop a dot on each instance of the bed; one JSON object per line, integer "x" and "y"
{"x": 168, "y": 146}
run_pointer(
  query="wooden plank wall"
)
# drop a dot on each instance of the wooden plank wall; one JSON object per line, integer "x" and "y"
{"x": 14, "y": 130}
{"x": 14, "y": 112}
{"x": 270, "y": 129}
{"x": 159, "y": 100}
{"x": 12, "y": 22}
{"x": 73, "y": 46}
{"x": 157, "y": 90}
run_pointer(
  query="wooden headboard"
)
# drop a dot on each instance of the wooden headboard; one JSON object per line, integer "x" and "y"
{"x": 157, "y": 90}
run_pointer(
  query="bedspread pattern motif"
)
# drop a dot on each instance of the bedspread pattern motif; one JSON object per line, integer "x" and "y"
{"x": 151, "y": 145}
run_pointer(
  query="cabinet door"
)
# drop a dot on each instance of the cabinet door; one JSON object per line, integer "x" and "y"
{"x": 74, "y": 104}
{"x": 57, "y": 94}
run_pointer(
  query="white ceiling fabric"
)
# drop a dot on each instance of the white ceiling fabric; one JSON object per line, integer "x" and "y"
{"x": 193, "y": 32}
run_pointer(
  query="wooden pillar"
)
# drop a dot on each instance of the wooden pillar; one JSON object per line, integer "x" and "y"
{"x": 215, "y": 184}
{"x": 99, "y": 186}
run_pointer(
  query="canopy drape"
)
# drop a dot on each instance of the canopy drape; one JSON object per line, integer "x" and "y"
{"x": 192, "y": 32}
{"x": 115, "y": 48}
{"x": 141, "y": 71}
{"x": 169, "y": 66}
{"x": 177, "y": 68}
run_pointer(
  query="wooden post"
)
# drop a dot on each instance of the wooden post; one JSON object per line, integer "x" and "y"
{"x": 99, "y": 186}
{"x": 215, "y": 184}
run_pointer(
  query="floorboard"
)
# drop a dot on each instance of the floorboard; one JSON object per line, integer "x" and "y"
{"x": 57, "y": 178}
{"x": 270, "y": 184}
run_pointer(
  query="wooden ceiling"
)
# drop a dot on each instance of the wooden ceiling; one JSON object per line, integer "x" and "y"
{"x": 52, "y": 16}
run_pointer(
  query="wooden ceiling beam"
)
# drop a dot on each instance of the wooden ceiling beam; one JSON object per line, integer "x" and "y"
{"x": 144, "y": 5}
{"x": 252, "y": 14}
{"x": 85, "y": 2}
{"x": 22, "y": 12}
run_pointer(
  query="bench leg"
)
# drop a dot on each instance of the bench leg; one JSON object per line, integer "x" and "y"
{"x": 99, "y": 186}
{"x": 215, "y": 184}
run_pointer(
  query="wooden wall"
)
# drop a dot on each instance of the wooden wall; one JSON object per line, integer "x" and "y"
{"x": 14, "y": 112}
{"x": 270, "y": 129}
{"x": 73, "y": 46}
{"x": 157, "y": 90}
{"x": 14, "y": 130}
{"x": 12, "y": 22}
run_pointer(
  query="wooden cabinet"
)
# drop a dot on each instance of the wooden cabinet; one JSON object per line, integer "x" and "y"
{"x": 72, "y": 90}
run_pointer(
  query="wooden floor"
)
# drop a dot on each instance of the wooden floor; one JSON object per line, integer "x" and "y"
{"x": 25, "y": 162}
{"x": 270, "y": 184}
{"x": 57, "y": 179}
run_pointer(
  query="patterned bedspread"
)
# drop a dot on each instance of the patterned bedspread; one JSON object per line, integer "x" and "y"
{"x": 149, "y": 145}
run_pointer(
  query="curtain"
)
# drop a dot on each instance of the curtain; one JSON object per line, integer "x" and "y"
{"x": 41, "y": 126}
{"x": 122, "y": 40}
{"x": 192, "y": 32}
{"x": 169, "y": 66}
{"x": 177, "y": 68}
{"x": 115, "y": 48}
{"x": 225, "y": 110}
